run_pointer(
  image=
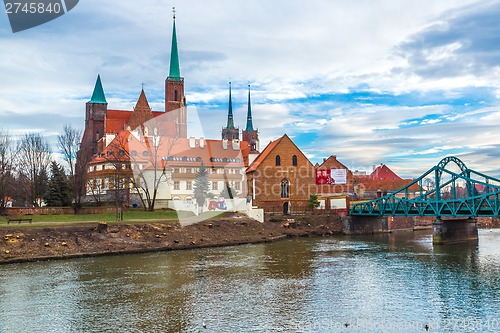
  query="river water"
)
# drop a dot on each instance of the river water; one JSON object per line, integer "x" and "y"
{"x": 388, "y": 283}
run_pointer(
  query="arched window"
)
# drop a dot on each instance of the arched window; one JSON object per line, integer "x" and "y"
{"x": 176, "y": 95}
{"x": 294, "y": 160}
{"x": 278, "y": 160}
{"x": 285, "y": 189}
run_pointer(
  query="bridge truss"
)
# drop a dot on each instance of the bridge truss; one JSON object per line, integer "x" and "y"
{"x": 455, "y": 193}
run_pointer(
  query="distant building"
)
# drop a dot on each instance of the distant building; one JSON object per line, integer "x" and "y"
{"x": 382, "y": 172}
{"x": 380, "y": 182}
{"x": 125, "y": 153}
{"x": 134, "y": 165}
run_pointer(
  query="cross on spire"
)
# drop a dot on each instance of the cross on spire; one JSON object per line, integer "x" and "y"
{"x": 174, "y": 11}
{"x": 142, "y": 85}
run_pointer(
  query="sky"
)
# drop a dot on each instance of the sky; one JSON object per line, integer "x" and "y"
{"x": 404, "y": 83}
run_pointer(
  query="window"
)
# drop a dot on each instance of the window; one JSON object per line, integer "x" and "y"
{"x": 121, "y": 153}
{"x": 294, "y": 160}
{"x": 285, "y": 188}
{"x": 176, "y": 170}
{"x": 237, "y": 186}
{"x": 145, "y": 153}
{"x": 215, "y": 186}
{"x": 133, "y": 153}
{"x": 189, "y": 186}
{"x": 278, "y": 160}
{"x": 176, "y": 95}
{"x": 188, "y": 170}
{"x": 176, "y": 185}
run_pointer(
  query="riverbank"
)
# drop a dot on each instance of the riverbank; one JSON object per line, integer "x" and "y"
{"x": 25, "y": 243}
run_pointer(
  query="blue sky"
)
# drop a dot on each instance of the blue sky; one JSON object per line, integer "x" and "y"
{"x": 404, "y": 83}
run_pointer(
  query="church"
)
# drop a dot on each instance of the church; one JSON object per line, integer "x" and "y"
{"x": 145, "y": 158}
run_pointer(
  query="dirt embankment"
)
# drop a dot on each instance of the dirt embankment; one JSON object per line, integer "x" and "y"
{"x": 31, "y": 243}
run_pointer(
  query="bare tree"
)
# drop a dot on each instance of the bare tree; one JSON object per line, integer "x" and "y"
{"x": 143, "y": 164}
{"x": 6, "y": 167}
{"x": 69, "y": 142}
{"x": 33, "y": 159}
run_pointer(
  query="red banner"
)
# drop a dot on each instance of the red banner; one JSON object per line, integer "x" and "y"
{"x": 323, "y": 177}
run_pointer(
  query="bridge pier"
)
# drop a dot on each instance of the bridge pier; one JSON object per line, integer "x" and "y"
{"x": 360, "y": 225}
{"x": 449, "y": 231}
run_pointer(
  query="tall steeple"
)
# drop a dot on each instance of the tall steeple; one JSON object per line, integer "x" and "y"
{"x": 98, "y": 96}
{"x": 249, "y": 113}
{"x": 250, "y": 134}
{"x": 230, "y": 120}
{"x": 175, "y": 102}
{"x": 175, "y": 70}
{"x": 230, "y": 132}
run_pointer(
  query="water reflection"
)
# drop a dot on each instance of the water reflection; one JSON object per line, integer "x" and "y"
{"x": 302, "y": 285}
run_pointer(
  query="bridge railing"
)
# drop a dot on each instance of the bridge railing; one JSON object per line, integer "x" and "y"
{"x": 438, "y": 201}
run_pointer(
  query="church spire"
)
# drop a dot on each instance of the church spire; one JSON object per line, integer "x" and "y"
{"x": 249, "y": 114}
{"x": 98, "y": 94}
{"x": 175, "y": 71}
{"x": 230, "y": 120}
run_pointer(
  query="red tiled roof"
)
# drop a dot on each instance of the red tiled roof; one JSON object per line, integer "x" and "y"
{"x": 177, "y": 151}
{"x": 116, "y": 120}
{"x": 382, "y": 172}
{"x": 371, "y": 184}
{"x": 262, "y": 156}
{"x": 331, "y": 161}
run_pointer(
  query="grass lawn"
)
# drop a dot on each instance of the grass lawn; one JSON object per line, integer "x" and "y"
{"x": 130, "y": 216}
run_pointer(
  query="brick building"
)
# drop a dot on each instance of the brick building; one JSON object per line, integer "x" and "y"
{"x": 281, "y": 178}
{"x": 123, "y": 151}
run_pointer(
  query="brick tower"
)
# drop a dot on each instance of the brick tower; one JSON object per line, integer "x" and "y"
{"x": 175, "y": 102}
{"x": 95, "y": 115}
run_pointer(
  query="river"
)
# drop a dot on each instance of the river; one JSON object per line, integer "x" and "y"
{"x": 395, "y": 282}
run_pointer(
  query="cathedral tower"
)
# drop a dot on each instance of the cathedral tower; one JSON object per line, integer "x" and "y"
{"x": 95, "y": 115}
{"x": 175, "y": 102}
{"x": 250, "y": 134}
{"x": 230, "y": 132}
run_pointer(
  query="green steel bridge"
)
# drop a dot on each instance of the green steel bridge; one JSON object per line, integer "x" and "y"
{"x": 442, "y": 192}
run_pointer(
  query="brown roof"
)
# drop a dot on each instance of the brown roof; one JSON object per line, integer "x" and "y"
{"x": 262, "y": 156}
{"x": 383, "y": 172}
{"x": 173, "y": 151}
{"x": 384, "y": 185}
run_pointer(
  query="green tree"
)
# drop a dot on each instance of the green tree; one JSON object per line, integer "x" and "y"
{"x": 313, "y": 201}
{"x": 201, "y": 185}
{"x": 59, "y": 190}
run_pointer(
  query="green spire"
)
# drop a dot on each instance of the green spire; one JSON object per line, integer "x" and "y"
{"x": 249, "y": 115}
{"x": 175, "y": 71}
{"x": 230, "y": 121}
{"x": 98, "y": 94}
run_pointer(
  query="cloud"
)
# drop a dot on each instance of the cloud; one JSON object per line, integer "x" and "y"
{"x": 462, "y": 42}
{"x": 370, "y": 81}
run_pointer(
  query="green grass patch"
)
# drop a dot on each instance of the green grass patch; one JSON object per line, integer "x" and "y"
{"x": 130, "y": 216}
